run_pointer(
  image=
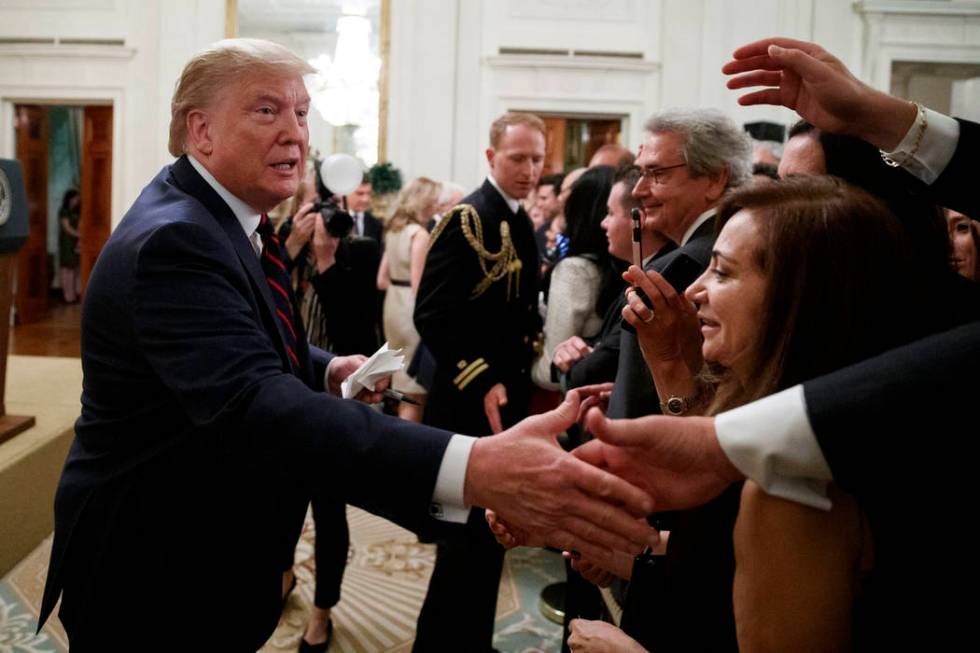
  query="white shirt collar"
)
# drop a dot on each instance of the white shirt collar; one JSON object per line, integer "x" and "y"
{"x": 511, "y": 202}
{"x": 247, "y": 216}
{"x": 697, "y": 223}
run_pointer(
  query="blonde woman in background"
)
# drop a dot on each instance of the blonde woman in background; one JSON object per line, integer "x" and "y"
{"x": 406, "y": 241}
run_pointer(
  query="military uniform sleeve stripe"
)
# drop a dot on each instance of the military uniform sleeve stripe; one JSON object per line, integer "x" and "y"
{"x": 465, "y": 382}
{"x": 469, "y": 368}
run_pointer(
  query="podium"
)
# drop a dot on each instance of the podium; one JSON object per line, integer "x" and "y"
{"x": 14, "y": 230}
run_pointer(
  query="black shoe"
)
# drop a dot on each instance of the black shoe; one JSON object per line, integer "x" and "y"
{"x": 305, "y": 647}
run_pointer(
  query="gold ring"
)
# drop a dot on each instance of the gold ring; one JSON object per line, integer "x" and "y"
{"x": 650, "y": 319}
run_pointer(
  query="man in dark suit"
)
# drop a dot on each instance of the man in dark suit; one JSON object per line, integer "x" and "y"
{"x": 690, "y": 158}
{"x": 866, "y": 427}
{"x": 359, "y": 207}
{"x": 203, "y": 406}
{"x": 476, "y": 313}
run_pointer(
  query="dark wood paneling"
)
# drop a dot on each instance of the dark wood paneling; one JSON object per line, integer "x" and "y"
{"x": 96, "y": 212}
{"x": 32, "y": 261}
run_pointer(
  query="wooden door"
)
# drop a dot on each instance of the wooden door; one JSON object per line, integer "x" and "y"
{"x": 554, "y": 157}
{"x": 32, "y": 262}
{"x": 601, "y": 132}
{"x": 95, "y": 220}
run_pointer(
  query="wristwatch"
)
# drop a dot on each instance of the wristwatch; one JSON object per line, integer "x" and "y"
{"x": 675, "y": 406}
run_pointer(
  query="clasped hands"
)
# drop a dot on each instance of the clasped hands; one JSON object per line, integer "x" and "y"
{"x": 670, "y": 463}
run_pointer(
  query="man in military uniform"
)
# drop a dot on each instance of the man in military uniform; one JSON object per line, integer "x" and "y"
{"x": 475, "y": 311}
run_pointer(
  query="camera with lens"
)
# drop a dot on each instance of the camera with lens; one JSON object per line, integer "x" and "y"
{"x": 337, "y": 221}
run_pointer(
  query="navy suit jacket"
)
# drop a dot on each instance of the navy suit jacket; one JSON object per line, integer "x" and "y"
{"x": 193, "y": 429}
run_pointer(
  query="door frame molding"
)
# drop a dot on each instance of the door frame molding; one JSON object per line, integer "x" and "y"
{"x": 70, "y": 89}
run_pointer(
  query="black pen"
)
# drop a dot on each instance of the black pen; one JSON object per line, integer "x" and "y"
{"x": 399, "y": 396}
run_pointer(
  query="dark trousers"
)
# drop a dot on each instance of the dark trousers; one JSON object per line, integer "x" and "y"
{"x": 461, "y": 604}
{"x": 330, "y": 547}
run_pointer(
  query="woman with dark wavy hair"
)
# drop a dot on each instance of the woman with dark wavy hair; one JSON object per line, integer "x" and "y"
{"x": 586, "y": 281}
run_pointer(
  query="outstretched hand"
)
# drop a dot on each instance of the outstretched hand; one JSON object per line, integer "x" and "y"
{"x": 817, "y": 85}
{"x": 550, "y": 497}
{"x": 676, "y": 460}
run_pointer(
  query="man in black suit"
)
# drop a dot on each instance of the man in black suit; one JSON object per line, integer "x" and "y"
{"x": 359, "y": 207}
{"x": 866, "y": 427}
{"x": 203, "y": 406}
{"x": 690, "y": 158}
{"x": 476, "y": 313}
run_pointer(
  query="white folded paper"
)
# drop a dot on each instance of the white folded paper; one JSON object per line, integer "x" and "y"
{"x": 383, "y": 363}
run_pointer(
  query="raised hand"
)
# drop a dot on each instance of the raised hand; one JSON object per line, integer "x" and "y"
{"x": 668, "y": 331}
{"x": 551, "y": 497}
{"x": 806, "y": 78}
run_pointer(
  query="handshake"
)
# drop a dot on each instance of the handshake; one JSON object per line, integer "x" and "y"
{"x": 595, "y": 500}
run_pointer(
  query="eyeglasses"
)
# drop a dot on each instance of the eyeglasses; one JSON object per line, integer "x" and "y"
{"x": 656, "y": 175}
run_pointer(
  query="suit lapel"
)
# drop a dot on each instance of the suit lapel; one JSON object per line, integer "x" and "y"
{"x": 194, "y": 185}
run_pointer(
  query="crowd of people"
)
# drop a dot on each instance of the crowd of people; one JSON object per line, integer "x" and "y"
{"x": 750, "y": 378}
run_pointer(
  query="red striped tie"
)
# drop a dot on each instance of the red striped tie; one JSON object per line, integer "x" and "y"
{"x": 275, "y": 274}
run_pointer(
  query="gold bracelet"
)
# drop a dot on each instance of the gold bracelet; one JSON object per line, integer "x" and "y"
{"x": 923, "y": 121}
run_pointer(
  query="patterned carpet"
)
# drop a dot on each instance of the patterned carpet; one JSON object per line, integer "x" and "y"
{"x": 383, "y": 589}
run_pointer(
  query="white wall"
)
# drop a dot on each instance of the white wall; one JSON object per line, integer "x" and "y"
{"x": 449, "y": 79}
{"x": 127, "y": 53}
{"x": 966, "y": 99}
{"x": 447, "y": 76}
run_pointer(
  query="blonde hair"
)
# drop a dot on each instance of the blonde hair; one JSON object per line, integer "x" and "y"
{"x": 419, "y": 197}
{"x": 511, "y": 118}
{"x": 211, "y": 71}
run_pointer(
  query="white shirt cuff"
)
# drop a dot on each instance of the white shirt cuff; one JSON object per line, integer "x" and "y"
{"x": 936, "y": 149}
{"x": 447, "y": 498}
{"x": 771, "y": 442}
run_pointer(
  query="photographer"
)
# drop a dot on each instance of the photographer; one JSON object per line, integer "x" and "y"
{"x": 339, "y": 268}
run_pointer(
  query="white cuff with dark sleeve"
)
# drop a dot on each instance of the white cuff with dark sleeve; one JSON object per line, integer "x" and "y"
{"x": 772, "y": 443}
{"x": 935, "y": 150}
{"x": 447, "y": 498}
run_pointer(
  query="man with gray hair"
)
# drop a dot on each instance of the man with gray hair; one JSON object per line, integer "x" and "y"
{"x": 688, "y": 160}
{"x": 205, "y": 410}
